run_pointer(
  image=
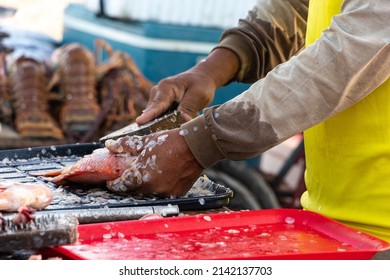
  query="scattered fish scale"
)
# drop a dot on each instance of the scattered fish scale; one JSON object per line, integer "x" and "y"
{"x": 77, "y": 195}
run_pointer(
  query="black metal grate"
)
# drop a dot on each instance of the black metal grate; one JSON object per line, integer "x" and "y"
{"x": 18, "y": 164}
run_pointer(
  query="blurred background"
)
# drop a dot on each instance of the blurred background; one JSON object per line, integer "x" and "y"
{"x": 162, "y": 38}
{"x": 44, "y": 16}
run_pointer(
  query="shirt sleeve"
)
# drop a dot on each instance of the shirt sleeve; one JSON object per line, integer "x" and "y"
{"x": 348, "y": 61}
{"x": 271, "y": 33}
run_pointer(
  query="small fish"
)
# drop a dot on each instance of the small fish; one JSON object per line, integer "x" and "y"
{"x": 14, "y": 195}
{"x": 96, "y": 168}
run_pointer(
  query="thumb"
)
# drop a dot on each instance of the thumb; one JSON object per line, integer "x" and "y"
{"x": 155, "y": 109}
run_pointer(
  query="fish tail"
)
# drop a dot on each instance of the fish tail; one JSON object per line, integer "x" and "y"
{"x": 54, "y": 176}
{"x": 50, "y": 173}
{"x": 58, "y": 180}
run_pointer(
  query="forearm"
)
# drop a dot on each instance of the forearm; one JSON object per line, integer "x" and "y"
{"x": 347, "y": 63}
{"x": 221, "y": 66}
{"x": 272, "y": 32}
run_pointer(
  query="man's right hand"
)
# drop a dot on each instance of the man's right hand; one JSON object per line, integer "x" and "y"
{"x": 193, "y": 89}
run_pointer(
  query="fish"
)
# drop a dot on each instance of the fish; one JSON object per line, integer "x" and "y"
{"x": 15, "y": 195}
{"x": 99, "y": 167}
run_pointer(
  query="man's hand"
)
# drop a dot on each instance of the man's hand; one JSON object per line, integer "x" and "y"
{"x": 164, "y": 166}
{"x": 194, "y": 89}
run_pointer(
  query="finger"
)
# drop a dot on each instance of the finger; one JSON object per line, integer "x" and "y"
{"x": 163, "y": 98}
{"x": 117, "y": 186}
{"x": 132, "y": 179}
{"x": 185, "y": 116}
{"x": 150, "y": 114}
{"x": 193, "y": 102}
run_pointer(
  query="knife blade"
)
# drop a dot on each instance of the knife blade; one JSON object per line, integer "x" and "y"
{"x": 168, "y": 121}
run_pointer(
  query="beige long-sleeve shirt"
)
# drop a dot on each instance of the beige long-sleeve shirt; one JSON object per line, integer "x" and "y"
{"x": 294, "y": 88}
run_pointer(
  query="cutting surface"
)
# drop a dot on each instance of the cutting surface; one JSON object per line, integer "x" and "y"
{"x": 19, "y": 164}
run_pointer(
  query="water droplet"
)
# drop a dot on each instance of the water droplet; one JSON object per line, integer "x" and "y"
{"x": 289, "y": 220}
{"x": 282, "y": 237}
{"x": 107, "y": 236}
{"x": 183, "y": 132}
{"x": 161, "y": 139}
{"x": 202, "y": 201}
{"x": 207, "y": 218}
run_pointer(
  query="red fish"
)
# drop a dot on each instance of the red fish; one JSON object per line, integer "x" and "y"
{"x": 96, "y": 168}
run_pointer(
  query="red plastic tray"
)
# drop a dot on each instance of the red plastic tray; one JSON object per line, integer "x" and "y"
{"x": 256, "y": 234}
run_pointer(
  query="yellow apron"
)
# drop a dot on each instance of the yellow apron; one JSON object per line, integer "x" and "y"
{"x": 348, "y": 156}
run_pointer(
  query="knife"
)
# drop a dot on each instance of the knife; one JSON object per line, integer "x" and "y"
{"x": 167, "y": 121}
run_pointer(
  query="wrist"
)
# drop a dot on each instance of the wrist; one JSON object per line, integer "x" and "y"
{"x": 183, "y": 151}
{"x": 221, "y": 66}
{"x": 202, "y": 142}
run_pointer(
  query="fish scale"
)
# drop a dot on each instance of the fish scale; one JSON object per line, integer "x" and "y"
{"x": 72, "y": 196}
